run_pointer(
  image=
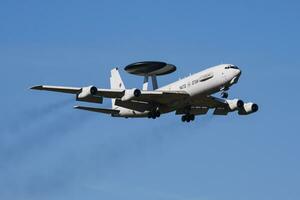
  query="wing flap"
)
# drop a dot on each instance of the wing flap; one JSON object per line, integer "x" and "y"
{"x": 134, "y": 105}
{"x": 210, "y": 102}
{"x": 110, "y": 93}
{"x": 221, "y": 111}
{"x": 162, "y": 97}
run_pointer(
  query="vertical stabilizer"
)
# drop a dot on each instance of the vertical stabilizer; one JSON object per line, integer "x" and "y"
{"x": 115, "y": 83}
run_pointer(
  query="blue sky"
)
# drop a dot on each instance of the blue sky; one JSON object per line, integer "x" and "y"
{"x": 50, "y": 151}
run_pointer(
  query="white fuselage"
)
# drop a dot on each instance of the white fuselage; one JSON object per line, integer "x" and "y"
{"x": 200, "y": 84}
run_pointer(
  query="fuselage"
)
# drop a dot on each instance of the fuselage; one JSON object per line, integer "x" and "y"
{"x": 203, "y": 83}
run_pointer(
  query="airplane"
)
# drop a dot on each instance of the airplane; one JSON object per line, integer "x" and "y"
{"x": 187, "y": 97}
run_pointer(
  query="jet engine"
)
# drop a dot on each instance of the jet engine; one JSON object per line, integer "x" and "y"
{"x": 130, "y": 94}
{"x": 87, "y": 95}
{"x": 235, "y": 104}
{"x": 248, "y": 108}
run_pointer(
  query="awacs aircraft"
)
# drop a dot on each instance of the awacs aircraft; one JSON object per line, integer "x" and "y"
{"x": 188, "y": 97}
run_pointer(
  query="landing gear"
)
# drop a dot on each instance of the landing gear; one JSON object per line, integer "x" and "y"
{"x": 154, "y": 114}
{"x": 224, "y": 95}
{"x": 188, "y": 118}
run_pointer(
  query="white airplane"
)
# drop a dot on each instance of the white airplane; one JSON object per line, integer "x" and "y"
{"x": 188, "y": 97}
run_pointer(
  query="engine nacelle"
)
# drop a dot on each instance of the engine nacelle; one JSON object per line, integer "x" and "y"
{"x": 130, "y": 94}
{"x": 87, "y": 95}
{"x": 235, "y": 104}
{"x": 87, "y": 91}
{"x": 248, "y": 108}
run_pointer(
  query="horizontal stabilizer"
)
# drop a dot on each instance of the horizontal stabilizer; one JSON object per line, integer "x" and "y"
{"x": 100, "y": 110}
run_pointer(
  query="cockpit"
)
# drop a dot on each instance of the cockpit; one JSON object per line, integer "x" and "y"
{"x": 231, "y": 67}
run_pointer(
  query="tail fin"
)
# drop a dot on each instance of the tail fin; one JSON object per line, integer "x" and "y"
{"x": 115, "y": 83}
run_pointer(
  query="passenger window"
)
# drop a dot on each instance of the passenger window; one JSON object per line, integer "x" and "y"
{"x": 183, "y": 86}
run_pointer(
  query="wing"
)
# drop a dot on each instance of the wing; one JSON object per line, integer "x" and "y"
{"x": 70, "y": 90}
{"x": 158, "y": 97}
{"x": 87, "y": 94}
{"x": 109, "y": 93}
{"x": 220, "y": 106}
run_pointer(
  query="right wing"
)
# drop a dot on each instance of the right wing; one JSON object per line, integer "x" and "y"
{"x": 220, "y": 106}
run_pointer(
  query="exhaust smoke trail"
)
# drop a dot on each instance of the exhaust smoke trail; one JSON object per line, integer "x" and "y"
{"x": 23, "y": 129}
{"x": 44, "y": 134}
{"x": 26, "y": 118}
{"x": 50, "y": 146}
{"x": 54, "y": 123}
{"x": 42, "y": 151}
{"x": 18, "y": 128}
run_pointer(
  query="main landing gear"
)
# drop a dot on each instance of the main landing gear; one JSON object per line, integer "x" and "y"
{"x": 188, "y": 118}
{"x": 154, "y": 114}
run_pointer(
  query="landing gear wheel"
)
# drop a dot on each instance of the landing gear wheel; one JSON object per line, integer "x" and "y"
{"x": 188, "y": 118}
{"x": 224, "y": 95}
{"x": 192, "y": 117}
{"x": 154, "y": 114}
{"x": 157, "y": 114}
{"x": 151, "y": 115}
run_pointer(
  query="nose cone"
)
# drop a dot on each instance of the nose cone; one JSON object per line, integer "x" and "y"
{"x": 238, "y": 73}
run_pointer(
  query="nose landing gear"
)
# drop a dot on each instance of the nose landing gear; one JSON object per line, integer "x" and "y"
{"x": 224, "y": 95}
{"x": 188, "y": 118}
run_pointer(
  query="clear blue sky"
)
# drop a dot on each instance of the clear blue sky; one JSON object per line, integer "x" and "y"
{"x": 50, "y": 151}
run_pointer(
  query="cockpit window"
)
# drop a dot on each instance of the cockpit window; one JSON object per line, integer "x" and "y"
{"x": 231, "y": 67}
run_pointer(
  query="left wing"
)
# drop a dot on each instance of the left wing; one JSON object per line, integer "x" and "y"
{"x": 220, "y": 106}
